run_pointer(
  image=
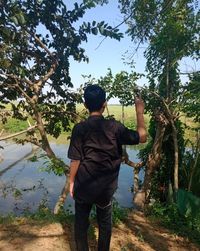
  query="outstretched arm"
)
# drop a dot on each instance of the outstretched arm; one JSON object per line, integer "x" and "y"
{"x": 74, "y": 165}
{"x": 139, "y": 107}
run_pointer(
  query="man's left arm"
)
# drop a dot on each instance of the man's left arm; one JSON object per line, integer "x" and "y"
{"x": 141, "y": 129}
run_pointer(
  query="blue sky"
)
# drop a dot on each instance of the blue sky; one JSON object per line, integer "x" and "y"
{"x": 109, "y": 53}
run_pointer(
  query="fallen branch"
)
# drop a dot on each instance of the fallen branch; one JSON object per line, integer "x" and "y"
{"x": 18, "y": 133}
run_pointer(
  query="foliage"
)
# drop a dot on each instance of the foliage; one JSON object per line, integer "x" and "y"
{"x": 143, "y": 26}
{"x": 56, "y": 165}
{"x": 130, "y": 124}
{"x": 36, "y": 40}
{"x": 190, "y": 169}
{"x": 169, "y": 216}
{"x": 191, "y": 98}
{"x": 122, "y": 85}
{"x": 118, "y": 213}
{"x": 171, "y": 29}
{"x": 7, "y": 219}
{"x": 42, "y": 215}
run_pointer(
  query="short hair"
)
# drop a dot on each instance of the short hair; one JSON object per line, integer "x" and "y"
{"x": 94, "y": 97}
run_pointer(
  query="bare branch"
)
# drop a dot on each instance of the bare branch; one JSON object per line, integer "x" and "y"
{"x": 1, "y": 132}
{"x": 18, "y": 133}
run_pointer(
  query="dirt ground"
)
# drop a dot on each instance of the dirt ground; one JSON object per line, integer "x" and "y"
{"x": 136, "y": 233}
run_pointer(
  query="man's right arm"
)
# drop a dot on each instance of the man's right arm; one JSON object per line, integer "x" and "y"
{"x": 74, "y": 165}
{"x": 75, "y": 154}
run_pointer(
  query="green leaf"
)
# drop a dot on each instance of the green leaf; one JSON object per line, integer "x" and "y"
{"x": 14, "y": 19}
{"x": 95, "y": 31}
{"x": 21, "y": 18}
{"x": 101, "y": 30}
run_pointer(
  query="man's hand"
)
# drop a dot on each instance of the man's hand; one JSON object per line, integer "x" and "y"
{"x": 71, "y": 189}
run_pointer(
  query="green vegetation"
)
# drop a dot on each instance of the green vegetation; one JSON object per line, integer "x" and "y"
{"x": 43, "y": 214}
{"x": 169, "y": 216}
{"x": 15, "y": 125}
{"x": 118, "y": 214}
{"x": 32, "y": 60}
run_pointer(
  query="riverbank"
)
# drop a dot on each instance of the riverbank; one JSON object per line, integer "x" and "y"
{"x": 136, "y": 232}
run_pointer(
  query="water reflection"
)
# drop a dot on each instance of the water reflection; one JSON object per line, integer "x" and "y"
{"x": 25, "y": 186}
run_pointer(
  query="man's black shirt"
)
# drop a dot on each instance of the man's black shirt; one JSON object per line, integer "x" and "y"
{"x": 97, "y": 143}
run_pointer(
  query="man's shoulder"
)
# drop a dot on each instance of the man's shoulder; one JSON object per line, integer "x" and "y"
{"x": 112, "y": 124}
{"x": 80, "y": 125}
{"x": 112, "y": 120}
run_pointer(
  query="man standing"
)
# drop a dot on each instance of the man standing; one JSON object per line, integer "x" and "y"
{"x": 96, "y": 151}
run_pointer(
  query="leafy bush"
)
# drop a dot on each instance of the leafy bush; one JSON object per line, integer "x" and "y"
{"x": 118, "y": 213}
{"x": 170, "y": 217}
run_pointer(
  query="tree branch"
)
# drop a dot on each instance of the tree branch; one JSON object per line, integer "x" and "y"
{"x": 42, "y": 45}
{"x": 18, "y": 133}
{"x": 117, "y": 26}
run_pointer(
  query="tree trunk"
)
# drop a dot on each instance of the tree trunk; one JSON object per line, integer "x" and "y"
{"x": 176, "y": 158}
{"x": 107, "y": 110}
{"x": 45, "y": 142}
{"x": 63, "y": 196}
{"x": 47, "y": 148}
{"x": 142, "y": 196}
{"x": 136, "y": 180}
{"x": 197, "y": 152}
{"x": 123, "y": 115}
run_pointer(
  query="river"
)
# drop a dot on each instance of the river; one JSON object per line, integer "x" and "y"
{"x": 24, "y": 185}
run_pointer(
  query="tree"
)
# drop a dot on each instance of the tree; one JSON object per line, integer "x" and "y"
{"x": 37, "y": 38}
{"x": 190, "y": 105}
{"x": 171, "y": 28}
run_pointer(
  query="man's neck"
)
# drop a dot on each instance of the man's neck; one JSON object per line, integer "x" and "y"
{"x": 96, "y": 113}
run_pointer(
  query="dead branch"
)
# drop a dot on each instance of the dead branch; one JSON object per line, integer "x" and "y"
{"x": 18, "y": 133}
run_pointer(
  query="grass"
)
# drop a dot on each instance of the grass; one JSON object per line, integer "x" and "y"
{"x": 116, "y": 110}
{"x": 15, "y": 125}
{"x": 42, "y": 214}
{"x": 168, "y": 215}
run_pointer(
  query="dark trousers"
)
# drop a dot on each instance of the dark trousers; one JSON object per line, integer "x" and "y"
{"x": 104, "y": 220}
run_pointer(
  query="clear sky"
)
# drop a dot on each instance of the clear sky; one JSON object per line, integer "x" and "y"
{"x": 109, "y": 54}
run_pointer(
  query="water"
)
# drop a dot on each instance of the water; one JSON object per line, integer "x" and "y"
{"x": 23, "y": 186}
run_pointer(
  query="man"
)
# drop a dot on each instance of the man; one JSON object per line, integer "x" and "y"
{"x": 96, "y": 151}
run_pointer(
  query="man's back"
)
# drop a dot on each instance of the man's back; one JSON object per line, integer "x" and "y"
{"x": 97, "y": 142}
{"x": 95, "y": 152}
